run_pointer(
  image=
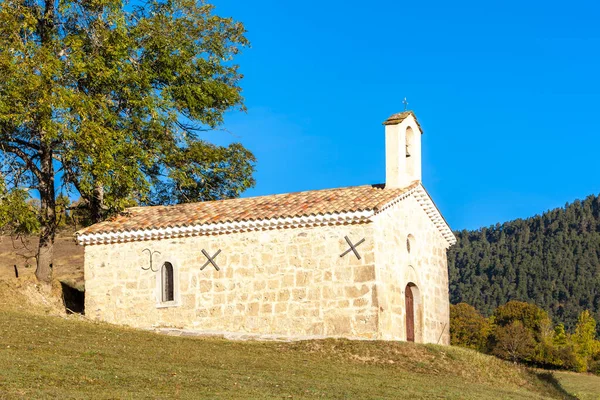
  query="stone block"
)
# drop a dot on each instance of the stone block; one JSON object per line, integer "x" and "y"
{"x": 288, "y": 281}
{"x": 253, "y": 309}
{"x": 299, "y": 294}
{"x": 361, "y": 302}
{"x": 353, "y": 292}
{"x": 301, "y": 278}
{"x": 343, "y": 274}
{"x": 281, "y": 308}
{"x": 205, "y": 286}
{"x": 337, "y": 325}
{"x": 314, "y": 293}
{"x": 216, "y": 311}
{"x": 364, "y": 273}
{"x": 267, "y": 308}
{"x": 283, "y": 295}
{"x": 188, "y": 301}
{"x": 219, "y": 298}
{"x": 219, "y": 287}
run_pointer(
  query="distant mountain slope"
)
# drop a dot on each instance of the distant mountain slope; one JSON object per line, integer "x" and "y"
{"x": 552, "y": 260}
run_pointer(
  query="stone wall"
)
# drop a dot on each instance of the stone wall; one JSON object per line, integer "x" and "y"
{"x": 425, "y": 266}
{"x": 291, "y": 283}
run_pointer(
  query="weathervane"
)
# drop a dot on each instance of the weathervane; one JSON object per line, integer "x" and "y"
{"x": 405, "y": 102}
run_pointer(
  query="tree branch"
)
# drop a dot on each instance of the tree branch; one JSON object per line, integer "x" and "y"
{"x": 23, "y": 156}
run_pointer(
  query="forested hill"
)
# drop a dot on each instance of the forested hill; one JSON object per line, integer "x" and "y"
{"x": 552, "y": 260}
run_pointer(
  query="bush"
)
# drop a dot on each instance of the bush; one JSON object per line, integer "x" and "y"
{"x": 514, "y": 342}
{"x": 468, "y": 328}
{"x": 532, "y": 317}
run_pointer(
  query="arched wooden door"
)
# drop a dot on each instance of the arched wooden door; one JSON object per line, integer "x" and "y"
{"x": 410, "y": 314}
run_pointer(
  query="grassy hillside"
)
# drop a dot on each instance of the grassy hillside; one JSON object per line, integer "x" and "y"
{"x": 43, "y": 356}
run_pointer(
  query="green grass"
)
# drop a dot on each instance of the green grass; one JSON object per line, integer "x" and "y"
{"x": 583, "y": 386}
{"x": 45, "y": 356}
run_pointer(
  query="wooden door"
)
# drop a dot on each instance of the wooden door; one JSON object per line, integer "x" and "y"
{"x": 410, "y": 315}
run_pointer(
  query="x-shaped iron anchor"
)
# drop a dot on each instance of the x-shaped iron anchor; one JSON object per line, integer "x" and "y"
{"x": 352, "y": 247}
{"x": 211, "y": 260}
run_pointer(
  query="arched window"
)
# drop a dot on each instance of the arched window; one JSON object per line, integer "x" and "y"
{"x": 410, "y": 243}
{"x": 167, "y": 283}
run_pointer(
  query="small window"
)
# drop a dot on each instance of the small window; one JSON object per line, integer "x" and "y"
{"x": 410, "y": 243}
{"x": 168, "y": 287}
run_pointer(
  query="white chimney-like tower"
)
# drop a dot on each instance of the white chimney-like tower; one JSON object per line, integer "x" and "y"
{"x": 402, "y": 150}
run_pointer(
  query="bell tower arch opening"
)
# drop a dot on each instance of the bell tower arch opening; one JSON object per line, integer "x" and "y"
{"x": 411, "y": 154}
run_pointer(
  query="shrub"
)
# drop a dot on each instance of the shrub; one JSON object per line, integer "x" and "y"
{"x": 468, "y": 328}
{"x": 514, "y": 342}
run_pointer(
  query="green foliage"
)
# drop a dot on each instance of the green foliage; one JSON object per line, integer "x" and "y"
{"x": 17, "y": 213}
{"x": 584, "y": 339}
{"x": 560, "y": 336}
{"x": 522, "y": 332}
{"x": 468, "y": 328}
{"x": 514, "y": 342}
{"x": 550, "y": 260}
{"x": 113, "y": 99}
{"x": 532, "y": 317}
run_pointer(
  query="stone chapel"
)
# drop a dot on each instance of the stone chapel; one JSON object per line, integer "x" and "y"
{"x": 364, "y": 262}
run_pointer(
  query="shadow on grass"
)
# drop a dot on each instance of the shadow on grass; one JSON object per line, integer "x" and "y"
{"x": 550, "y": 379}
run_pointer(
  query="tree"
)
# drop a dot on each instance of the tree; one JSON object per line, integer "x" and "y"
{"x": 112, "y": 100}
{"x": 514, "y": 342}
{"x": 584, "y": 339}
{"x": 531, "y": 317}
{"x": 560, "y": 336}
{"x": 550, "y": 260}
{"x": 468, "y": 328}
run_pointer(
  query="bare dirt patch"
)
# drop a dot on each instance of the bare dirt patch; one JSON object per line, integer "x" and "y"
{"x": 68, "y": 258}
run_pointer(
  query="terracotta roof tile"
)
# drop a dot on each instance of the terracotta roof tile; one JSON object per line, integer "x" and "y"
{"x": 397, "y": 118}
{"x": 314, "y": 202}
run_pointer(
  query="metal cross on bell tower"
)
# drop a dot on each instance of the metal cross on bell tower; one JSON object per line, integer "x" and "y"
{"x": 405, "y": 102}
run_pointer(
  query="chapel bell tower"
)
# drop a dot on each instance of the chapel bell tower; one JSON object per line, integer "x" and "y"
{"x": 402, "y": 150}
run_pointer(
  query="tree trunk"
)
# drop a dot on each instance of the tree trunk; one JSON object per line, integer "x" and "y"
{"x": 47, "y": 215}
{"x": 97, "y": 204}
{"x": 46, "y": 175}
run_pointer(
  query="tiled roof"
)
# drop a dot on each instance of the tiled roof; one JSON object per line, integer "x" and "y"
{"x": 310, "y": 203}
{"x": 397, "y": 118}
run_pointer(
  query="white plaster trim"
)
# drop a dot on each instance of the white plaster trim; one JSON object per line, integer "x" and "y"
{"x": 422, "y": 197}
{"x": 434, "y": 214}
{"x": 225, "y": 227}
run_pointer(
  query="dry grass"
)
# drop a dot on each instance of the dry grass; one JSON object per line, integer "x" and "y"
{"x": 68, "y": 257}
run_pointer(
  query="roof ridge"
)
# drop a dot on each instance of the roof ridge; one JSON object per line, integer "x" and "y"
{"x": 380, "y": 186}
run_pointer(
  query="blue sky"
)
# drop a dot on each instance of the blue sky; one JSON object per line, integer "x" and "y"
{"x": 507, "y": 94}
